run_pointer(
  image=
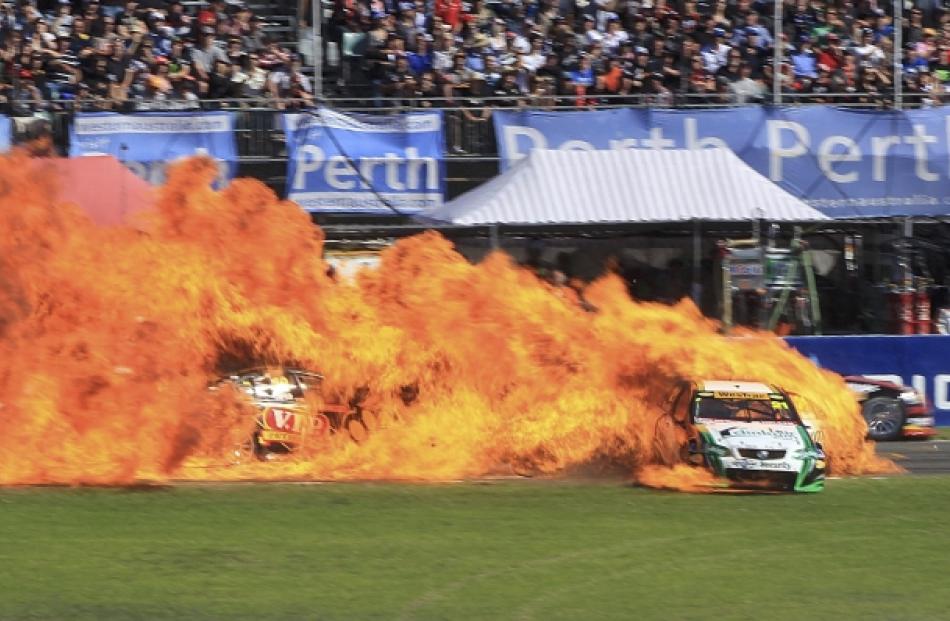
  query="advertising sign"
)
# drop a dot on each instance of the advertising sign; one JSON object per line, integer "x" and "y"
{"x": 379, "y": 164}
{"x": 147, "y": 142}
{"x": 845, "y": 163}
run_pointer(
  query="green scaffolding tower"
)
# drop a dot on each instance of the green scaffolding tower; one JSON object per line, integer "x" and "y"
{"x": 769, "y": 283}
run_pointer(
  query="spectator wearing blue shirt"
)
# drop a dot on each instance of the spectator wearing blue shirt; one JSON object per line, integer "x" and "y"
{"x": 583, "y": 75}
{"x": 420, "y": 61}
{"x": 914, "y": 62}
{"x": 473, "y": 53}
{"x": 162, "y": 40}
{"x": 754, "y": 28}
{"x": 804, "y": 60}
{"x": 885, "y": 28}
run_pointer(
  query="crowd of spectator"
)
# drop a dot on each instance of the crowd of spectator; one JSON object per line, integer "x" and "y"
{"x": 139, "y": 55}
{"x": 657, "y": 52}
{"x": 166, "y": 54}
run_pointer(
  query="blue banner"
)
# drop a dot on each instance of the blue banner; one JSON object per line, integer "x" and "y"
{"x": 846, "y": 163}
{"x": 919, "y": 361}
{"x": 147, "y": 142}
{"x": 6, "y": 133}
{"x": 365, "y": 163}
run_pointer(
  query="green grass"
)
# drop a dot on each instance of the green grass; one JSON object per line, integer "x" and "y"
{"x": 943, "y": 433}
{"x": 863, "y": 549}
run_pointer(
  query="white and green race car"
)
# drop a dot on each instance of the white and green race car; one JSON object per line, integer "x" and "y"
{"x": 746, "y": 432}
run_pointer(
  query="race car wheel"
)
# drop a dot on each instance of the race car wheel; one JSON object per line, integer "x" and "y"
{"x": 357, "y": 429}
{"x": 247, "y": 451}
{"x": 885, "y": 418}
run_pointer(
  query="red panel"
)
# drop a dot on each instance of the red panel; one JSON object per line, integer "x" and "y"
{"x": 100, "y": 185}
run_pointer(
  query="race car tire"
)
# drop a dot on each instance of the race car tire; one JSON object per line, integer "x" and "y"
{"x": 356, "y": 428}
{"x": 885, "y": 418}
{"x": 248, "y": 450}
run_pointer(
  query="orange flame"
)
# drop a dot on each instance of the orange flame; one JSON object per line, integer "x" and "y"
{"x": 679, "y": 477}
{"x": 110, "y": 336}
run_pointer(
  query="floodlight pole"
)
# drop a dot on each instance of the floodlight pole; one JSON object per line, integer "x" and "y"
{"x": 316, "y": 25}
{"x": 898, "y": 54}
{"x": 778, "y": 50}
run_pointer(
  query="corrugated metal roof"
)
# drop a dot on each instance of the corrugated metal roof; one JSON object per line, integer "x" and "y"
{"x": 634, "y": 185}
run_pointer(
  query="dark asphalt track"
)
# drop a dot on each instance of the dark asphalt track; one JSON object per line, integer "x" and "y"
{"x": 919, "y": 456}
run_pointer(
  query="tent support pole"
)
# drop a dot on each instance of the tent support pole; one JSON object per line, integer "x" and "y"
{"x": 697, "y": 265}
{"x": 726, "y": 294}
{"x": 493, "y": 237}
{"x": 876, "y": 245}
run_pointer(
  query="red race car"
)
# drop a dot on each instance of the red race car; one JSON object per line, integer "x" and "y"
{"x": 892, "y": 411}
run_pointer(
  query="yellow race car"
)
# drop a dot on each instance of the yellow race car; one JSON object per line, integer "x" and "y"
{"x": 290, "y": 411}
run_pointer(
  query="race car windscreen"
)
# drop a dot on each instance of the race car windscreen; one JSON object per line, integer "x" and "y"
{"x": 742, "y": 407}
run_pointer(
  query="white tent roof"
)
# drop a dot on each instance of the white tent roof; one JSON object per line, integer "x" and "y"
{"x": 634, "y": 185}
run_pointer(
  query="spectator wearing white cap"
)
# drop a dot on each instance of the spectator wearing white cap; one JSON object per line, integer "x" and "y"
{"x": 497, "y": 39}
{"x": 614, "y": 38}
{"x": 716, "y": 53}
{"x": 591, "y": 34}
{"x": 604, "y": 18}
{"x": 867, "y": 51}
{"x": 420, "y": 59}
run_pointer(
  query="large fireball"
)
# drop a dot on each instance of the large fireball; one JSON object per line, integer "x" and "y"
{"x": 109, "y": 337}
